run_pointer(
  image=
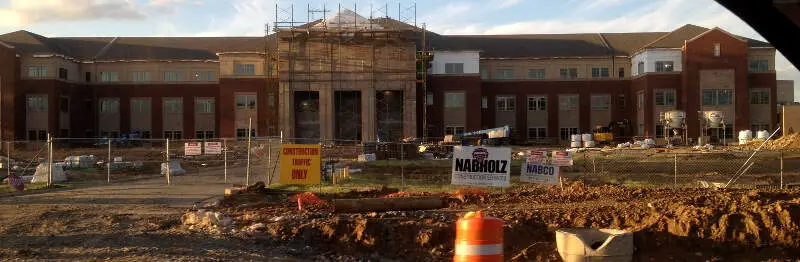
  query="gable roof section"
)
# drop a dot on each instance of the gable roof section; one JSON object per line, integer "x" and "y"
{"x": 527, "y": 46}
{"x": 628, "y": 43}
{"x": 28, "y": 42}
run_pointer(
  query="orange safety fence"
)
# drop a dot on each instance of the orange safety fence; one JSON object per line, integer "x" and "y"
{"x": 307, "y": 197}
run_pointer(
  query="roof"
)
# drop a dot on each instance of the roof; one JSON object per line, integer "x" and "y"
{"x": 498, "y": 46}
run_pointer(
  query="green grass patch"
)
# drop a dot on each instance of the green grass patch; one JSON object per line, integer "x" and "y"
{"x": 5, "y": 188}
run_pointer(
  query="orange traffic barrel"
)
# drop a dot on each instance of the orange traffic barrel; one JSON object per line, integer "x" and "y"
{"x": 478, "y": 238}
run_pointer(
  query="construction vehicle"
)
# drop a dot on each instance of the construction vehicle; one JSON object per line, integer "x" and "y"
{"x": 604, "y": 135}
{"x": 492, "y": 136}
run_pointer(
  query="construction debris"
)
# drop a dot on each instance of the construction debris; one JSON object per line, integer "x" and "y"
{"x": 387, "y": 204}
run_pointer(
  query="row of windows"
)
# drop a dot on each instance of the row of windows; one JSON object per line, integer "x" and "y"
{"x": 40, "y": 71}
{"x": 564, "y": 73}
{"x": 38, "y": 103}
{"x": 241, "y": 133}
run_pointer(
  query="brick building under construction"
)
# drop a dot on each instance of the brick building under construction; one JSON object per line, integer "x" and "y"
{"x": 355, "y": 79}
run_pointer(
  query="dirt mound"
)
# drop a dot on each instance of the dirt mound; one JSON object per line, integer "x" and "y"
{"x": 682, "y": 224}
{"x": 790, "y": 141}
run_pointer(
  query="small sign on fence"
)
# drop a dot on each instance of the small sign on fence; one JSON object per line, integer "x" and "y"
{"x": 300, "y": 164}
{"x": 561, "y": 158}
{"x": 537, "y": 156}
{"x": 539, "y": 173}
{"x": 481, "y": 166}
{"x": 192, "y": 148}
{"x": 213, "y": 148}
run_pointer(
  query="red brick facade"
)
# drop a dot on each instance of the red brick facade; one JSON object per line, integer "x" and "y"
{"x": 9, "y": 79}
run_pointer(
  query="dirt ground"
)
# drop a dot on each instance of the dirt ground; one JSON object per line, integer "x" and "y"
{"x": 668, "y": 224}
{"x": 124, "y": 221}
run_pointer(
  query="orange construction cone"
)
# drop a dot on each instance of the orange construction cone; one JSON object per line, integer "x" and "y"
{"x": 478, "y": 238}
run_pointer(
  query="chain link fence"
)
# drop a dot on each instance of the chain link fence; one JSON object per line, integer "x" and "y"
{"x": 351, "y": 165}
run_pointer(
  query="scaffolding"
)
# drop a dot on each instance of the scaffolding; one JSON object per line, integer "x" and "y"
{"x": 334, "y": 55}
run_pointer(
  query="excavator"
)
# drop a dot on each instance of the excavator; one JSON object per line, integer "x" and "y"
{"x": 604, "y": 135}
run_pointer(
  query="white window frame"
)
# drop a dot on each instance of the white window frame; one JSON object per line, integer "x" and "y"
{"x": 665, "y": 66}
{"x": 715, "y": 95}
{"x": 567, "y": 73}
{"x": 758, "y": 65}
{"x": 454, "y": 130}
{"x": 140, "y": 76}
{"x": 537, "y": 103}
{"x": 665, "y": 94}
{"x": 429, "y": 98}
{"x": 140, "y": 105}
{"x": 454, "y": 68}
{"x": 537, "y": 73}
{"x": 505, "y": 73}
{"x": 204, "y": 105}
{"x": 37, "y": 71}
{"x": 565, "y": 136}
{"x": 502, "y": 103}
{"x": 202, "y": 75}
{"x": 108, "y": 77}
{"x": 759, "y": 96}
{"x": 717, "y": 49}
{"x": 594, "y": 102}
{"x": 245, "y": 68}
{"x": 454, "y": 99}
{"x": 173, "y": 76}
{"x": 568, "y": 102}
{"x": 173, "y": 106}
{"x": 537, "y": 132}
{"x": 600, "y": 72}
{"x": 109, "y": 105}
{"x": 249, "y": 101}
{"x": 36, "y": 103}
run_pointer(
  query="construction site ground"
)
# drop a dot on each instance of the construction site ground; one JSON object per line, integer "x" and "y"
{"x": 140, "y": 218}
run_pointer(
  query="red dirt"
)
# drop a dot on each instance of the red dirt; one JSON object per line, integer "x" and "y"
{"x": 668, "y": 224}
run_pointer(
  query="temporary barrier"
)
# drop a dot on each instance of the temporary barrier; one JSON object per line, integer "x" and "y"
{"x": 586, "y": 244}
{"x": 478, "y": 238}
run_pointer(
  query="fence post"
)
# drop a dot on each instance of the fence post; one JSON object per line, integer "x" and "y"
{"x": 225, "y": 157}
{"x": 594, "y": 165}
{"x": 676, "y": 170}
{"x": 8, "y": 158}
{"x": 108, "y": 169}
{"x": 50, "y": 160}
{"x": 249, "y": 134}
{"x": 269, "y": 163}
{"x": 402, "y": 166}
{"x": 781, "y": 169}
{"x": 168, "y": 163}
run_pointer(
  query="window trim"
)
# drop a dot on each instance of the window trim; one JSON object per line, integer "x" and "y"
{"x": 595, "y": 107}
{"x": 207, "y": 103}
{"x": 453, "y": 68}
{"x": 572, "y": 104}
{"x": 600, "y": 72}
{"x": 664, "y": 101}
{"x": 505, "y": 107}
{"x": 112, "y": 108}
{"x": 244, "y": 69}
{"x": 567, "y": 73}
{"x": 537, "y": 73}
{"x": 537, "y": 131}
{"x": 505, "y": 73}
{"x": 754, "y": 95}
{"x": 537, "y": 103}
{"x": 665, "y": 66}
{"x": 454, "y": 129}
{"x": 109, "y": 77}
{"x": 37, "y": 71}
{"x": 565, "y": 136}
{"x": 450, "y": 95}
{"x": 248, "y": 103}
{"x": 179, "y": 105}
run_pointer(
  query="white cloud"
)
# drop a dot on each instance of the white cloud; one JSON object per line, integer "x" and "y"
{"x": 595, "y": 4}
{"x": 25, "y": 12}
{"x": 247, "y": 19}
{"x": 508, "y": 3}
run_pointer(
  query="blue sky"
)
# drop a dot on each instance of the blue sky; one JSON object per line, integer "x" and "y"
{"x": 247, "y": 17}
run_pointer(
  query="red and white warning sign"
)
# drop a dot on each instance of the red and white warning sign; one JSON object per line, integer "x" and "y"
{"x": 561, "y": 158}
{"x": 192, "y": 148}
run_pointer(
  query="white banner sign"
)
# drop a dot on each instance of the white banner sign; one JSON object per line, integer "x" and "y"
{"x": 537, "y": 156}
{"x": 192, "y": 148}
{"x": 562, "y": 158}
{"x": 539, "y": 173}
{"x": 213, "y": 148}
{"x": 481, "y": 166}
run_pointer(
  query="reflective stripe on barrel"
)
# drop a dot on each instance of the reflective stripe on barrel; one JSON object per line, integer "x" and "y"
{"x": 478, "y": 238}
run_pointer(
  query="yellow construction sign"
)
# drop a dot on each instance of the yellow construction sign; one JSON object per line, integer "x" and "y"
{"x": 300, "y": 164}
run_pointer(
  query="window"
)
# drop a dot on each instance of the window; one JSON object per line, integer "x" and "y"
{"x": 568, "y": 73}
{"x": 536, "y": 133}
{"x": 37, "y": 103}
{"x": 758, "y": 127}
{"x": 140, "y": 76}
{"x": 759, "y": 96}
{"x": 454, "y": 68}
{"x": 454, "y": 100}
{"x": 173, "y": 106}
{"x": 758, "y": 65}
{"x": 664, "y": 66}
{"x": 600, "y": 102}
{"x": 505, "y": 73}
{"x": 88, "y": 77}
{"x": 640, "y": 100}
{"x": 241, "y": 133}
{"x": 484, "y": 102}
{"x": 429, "y": 98}
{"x": 453, "y": 130}
{"x": 245, "y": 69}
{"x": 172, "y": 76}
{"x": 203, "y": 134}
{"x": 714, "y": 97}
{"x": 245, "y": 102}
{"x": 63, "y": 104}
{"x": 716, "y": 49}
{"x": 173, "y": 134}
{"x": 37, "y": 71}
{"x": 660, "y": 131}
{"x": 568, "y": 102}
{"x": 640, "y": 68}
{"x": 109, "y": 105}
{"x": 621, "y": 72}
{"x": 505, "y": 103}
{"x": 564, "y": 133}
{"x": 203, "y": 76}
{"x": 537, "y": 103}
{"x": 536, "y": 74}
{"x": 665, "y": 97}
{"x": 62, "y": 73}
{"x": 621, "y": 101}
{"x": 109, "y": 77}
{"x": 598, "y": 72}
{"x": 140, "y": 105}
{"x": 204, "y": 105}
{"x": 484, "y": 74}
{"x": 270, "y": 69}
{"x": 271, "y": 100}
